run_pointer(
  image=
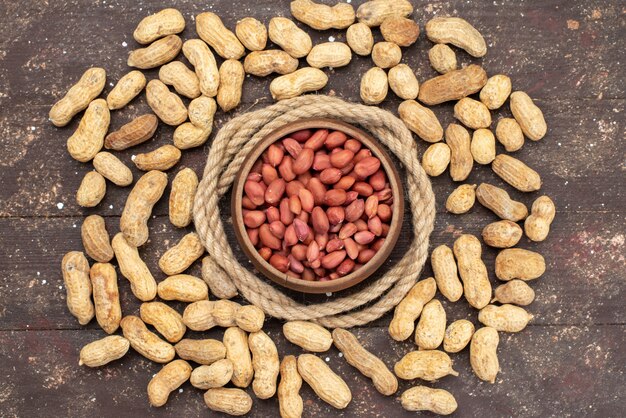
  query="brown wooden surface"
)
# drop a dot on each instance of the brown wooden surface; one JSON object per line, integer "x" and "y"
{"x": 568, "y": 55}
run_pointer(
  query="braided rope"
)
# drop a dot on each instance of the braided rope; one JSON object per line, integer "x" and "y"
{"x": 226, "y": 156}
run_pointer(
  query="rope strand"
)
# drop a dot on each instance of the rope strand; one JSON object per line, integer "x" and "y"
{"x": 226, "y": 156}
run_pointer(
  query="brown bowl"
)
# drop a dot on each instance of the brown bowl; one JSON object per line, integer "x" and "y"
{"x": 343, "y": 282}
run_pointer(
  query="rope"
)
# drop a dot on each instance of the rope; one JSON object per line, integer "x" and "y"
{"x": 226, "y": 156}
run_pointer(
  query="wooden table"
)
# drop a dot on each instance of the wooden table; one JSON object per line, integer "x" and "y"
{"x": 568, "y": 55}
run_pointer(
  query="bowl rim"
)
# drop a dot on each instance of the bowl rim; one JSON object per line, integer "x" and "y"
{"x": 368, "y": 268}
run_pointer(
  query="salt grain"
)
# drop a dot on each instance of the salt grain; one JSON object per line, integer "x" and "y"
{"x": 60, "y": 205}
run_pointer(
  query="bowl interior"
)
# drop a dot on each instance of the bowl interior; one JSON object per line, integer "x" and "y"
{"x": 367, "y": 269}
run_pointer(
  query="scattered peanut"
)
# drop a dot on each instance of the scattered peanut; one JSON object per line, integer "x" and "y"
{"x": 91, "y": 190}
{"x": 458, "y": 32}
{"x": 374, "y": 12}
{"x": 156, "y": 54}
{"x": 126, "y": 89}
{"x": 201, "y": 112}
{"x": 431, "y": 327}
{"x": 472, "y": 113}
{"x": 198, "y": 316}
{"x": 166, "y": 22}
{"x": 88, "y": 138}
{"x": 106, "y": 296}
{"x": 509, "y": 134}
{"x": 96, "y": 239}
{"x": 184, "y": 81}
{"x": 422, "y": 398}
{"x": 189, "y": 135}
{"x": 184, "y": 188}
{"x": 517, "y": 263}
{"x": 462, "y": 199}
{"x": 289, "y": 399}
{"x": 237, "y": 351}
{"x": 516, "y": 173}
{"x": 496, "y": 91}
{"x": 427, "y": 365}
{"x": 167, "y": 105}
{"x": 499, "y": 201}
{"x": 329, "y": 54}
{"x": 461, "y": 160}
{"x": 168, "y": 379}
{"x": 78, "y": 97}
{"x": 300, "y": 81}
{"x": 147, "y": 191}
{"x": 219, "y": 282}
{"x": 250, "y": 318}
{"x": 360, "y": 39}
{"x": 206, "y": 351}
{"x": 386, "y": 54}
{"x": 212, "y": 31}
{"x": 325, "y": 383}
{"x": 200, "y": 56}
{"x": 516, "y": 292}
{"x": 403, "y": 82}
{"x": 164, "y": 319}
{"x": 133, "y": 133}
{"x": 407, "y": 311}
{"x": 537, "y": 225}
{"x": 483, "y": 146}
{"x": 421, "y": 120}
{"x": 528, "y": 115}
{"x": 182, "y": 255}
{"x": 75, "y": 268}
{"x": 505, "y": 318}
{"x": 232, "y": 75}
{"x": 145, "y": 342}
{"x": 212, "y": 376}
{"x": 367, "y": 363}
{"x": 309, "y": 336}
{"x": 251, "y": 33}
{"x": 458, "y": 335}
{"x": 322, "y": 17}
{"x": 374, "y": 86}
{"x": 142, "y": 283}
{"x": 453, "y": 85}
{"x": 446, "y": 273}
{"x": 502, "y": 234}
{"x": 293, "y": 40}
{"x": 442, "y": 58}
{"x": 264, "y": 63}
{"x": 476, "y": 285}
{"x": 103, "y": 351}
{"x": 483, "y": 354}
{"x": 229, "y": 401}
{"x": 225, "y": 313}
{"x": 184, "y": 288}
{"x": 400, "y": 30}
{"x": 265, "y": 363}
{"x": 436, "y": 159}
{"x": 112, "y": 169}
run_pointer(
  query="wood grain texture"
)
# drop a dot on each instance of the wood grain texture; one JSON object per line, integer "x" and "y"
{"x": 568, "y": 55}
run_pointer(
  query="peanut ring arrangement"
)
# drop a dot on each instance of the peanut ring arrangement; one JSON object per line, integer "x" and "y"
{"x": 246, "y": 355}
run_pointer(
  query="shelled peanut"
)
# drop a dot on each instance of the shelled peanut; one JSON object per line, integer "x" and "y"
{"x": 168, "y": 379}
{"x": 422, "y": 398}
{"x": 317, "y": 207}
{"x": 101, "y": 352}
{"x": 407, "y": 311}
{"x": 331, "y": 388}
{"x": 366, "y": 362}
{"x": 537, "y": 225}
{"x": 309, "y": 336}
{"x": 427, "y": 365}
{"x": 289, "y": 399}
